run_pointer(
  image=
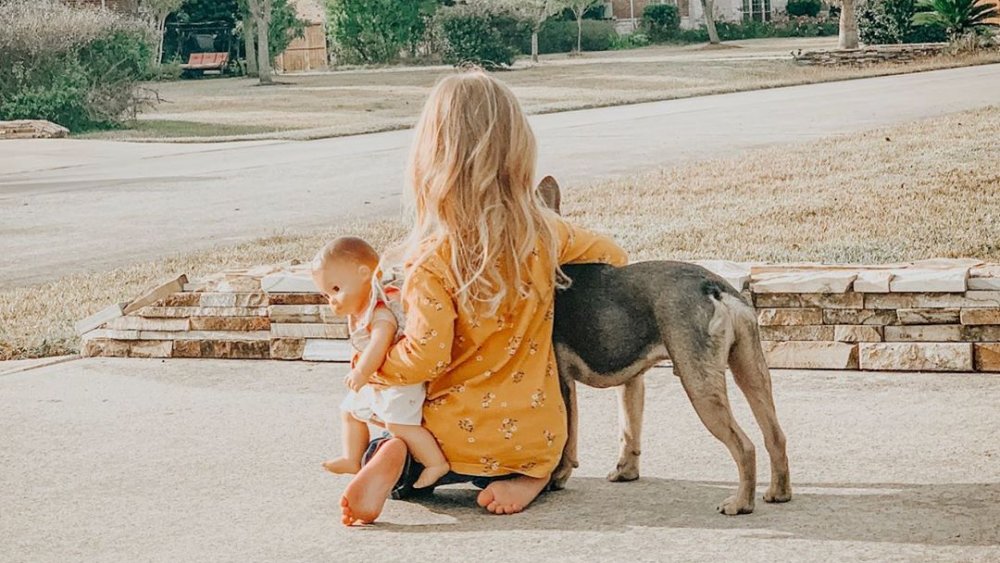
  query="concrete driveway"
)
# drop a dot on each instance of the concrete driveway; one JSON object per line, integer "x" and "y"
{"x": 70, "y": 206}
{"x": 128, "y": 460}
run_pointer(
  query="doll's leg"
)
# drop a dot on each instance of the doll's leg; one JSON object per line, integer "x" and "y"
{"x": 424, "y": 448}
{"x": 354, "y": 441}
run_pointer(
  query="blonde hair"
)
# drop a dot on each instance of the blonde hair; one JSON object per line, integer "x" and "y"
{"x": 471, "y": 172}
{"x": 346, "y": 248}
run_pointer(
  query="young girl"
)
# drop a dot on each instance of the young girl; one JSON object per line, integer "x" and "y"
{"x": 481, "y": 269}
{"x": 346, "y": 272}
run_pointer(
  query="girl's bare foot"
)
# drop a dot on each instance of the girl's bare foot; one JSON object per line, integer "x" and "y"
{"x": 430, "y": 475}
{"x": 366, "y": 494}
{"x": 342, "y": 465}
{"x": 511, "y": 495}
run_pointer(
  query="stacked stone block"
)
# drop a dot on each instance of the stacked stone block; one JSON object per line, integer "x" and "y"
{"x": 931, "y": 315}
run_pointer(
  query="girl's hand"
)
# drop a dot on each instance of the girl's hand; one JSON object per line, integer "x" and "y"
{"x": 355, "y": 380}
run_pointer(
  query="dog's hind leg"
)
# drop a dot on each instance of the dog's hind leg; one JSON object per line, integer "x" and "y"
{"x": 706, "y": 387}
{"x": 569, "y": 459}
{"x": 631, "y": 397}
{"x": 746, "y": 360}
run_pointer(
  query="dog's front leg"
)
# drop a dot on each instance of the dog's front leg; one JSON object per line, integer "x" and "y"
{"x": 631, "y": 397}
{"x": 569, "y": 459}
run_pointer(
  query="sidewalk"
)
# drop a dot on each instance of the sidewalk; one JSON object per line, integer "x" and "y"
{"x": 125, "y": 460}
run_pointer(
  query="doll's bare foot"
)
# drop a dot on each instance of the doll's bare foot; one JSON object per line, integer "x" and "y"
{"x": 342, "y": 465}
{"x": 430, "y": 475}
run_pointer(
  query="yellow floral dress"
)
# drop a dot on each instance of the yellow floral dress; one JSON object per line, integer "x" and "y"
{"x": 493, "y": 399}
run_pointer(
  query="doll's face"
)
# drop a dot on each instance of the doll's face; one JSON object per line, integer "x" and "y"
{"x": 346, "y": 285}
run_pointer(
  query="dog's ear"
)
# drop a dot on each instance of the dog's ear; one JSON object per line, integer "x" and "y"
{"x": 548, "y": 190}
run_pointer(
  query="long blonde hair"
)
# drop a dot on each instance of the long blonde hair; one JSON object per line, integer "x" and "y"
{"x": 471, "y": 172}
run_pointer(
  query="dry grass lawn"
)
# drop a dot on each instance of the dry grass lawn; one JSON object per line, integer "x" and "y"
{"x": 921, "y": 190}
{"x": 350, "y": 102}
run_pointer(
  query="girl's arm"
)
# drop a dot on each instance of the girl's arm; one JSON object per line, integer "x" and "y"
{"x": 424, "y": 351}
{"x": 580, "y": 246}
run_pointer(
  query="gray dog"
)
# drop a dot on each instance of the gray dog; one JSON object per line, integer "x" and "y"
{"x": 614, "y": 324}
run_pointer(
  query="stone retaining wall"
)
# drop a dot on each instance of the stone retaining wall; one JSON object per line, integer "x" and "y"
{"x": 932, "y": 315}
{"x": 870, "y": 55}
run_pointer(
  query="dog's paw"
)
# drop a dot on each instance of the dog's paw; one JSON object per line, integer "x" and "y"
{"x": 560, "y": 476}
{"x": 624, "y": 473}
{"x": 773, "y": 494}
{"x": 733, "y": 506}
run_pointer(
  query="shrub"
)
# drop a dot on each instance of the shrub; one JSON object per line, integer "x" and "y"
{"x": 957, "y": 17}
{"x": 377, "y": 31}
{"x": 661, "y": 22}
{"x": 78, "y": 67}
{"x": 793, "y": 27}
{"x": 480, "y": 34}
{"x": 883, "y": 22}
{"x": 559, "y": 36}
{"x": 630, "y": 41}
{"x": 809, "y": 8}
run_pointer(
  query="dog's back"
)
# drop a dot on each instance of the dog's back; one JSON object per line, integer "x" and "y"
{"x": 613, "y": 319}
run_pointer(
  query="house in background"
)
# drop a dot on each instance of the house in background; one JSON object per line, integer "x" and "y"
{"x": 628, "y": 13}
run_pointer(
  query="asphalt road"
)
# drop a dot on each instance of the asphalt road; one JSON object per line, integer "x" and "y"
{"x": 70, "y": 205}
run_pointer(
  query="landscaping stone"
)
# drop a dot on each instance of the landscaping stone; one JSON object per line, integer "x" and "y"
{"x": 737, "y": 274}
{"x": 981, "y": 333}
{"x": 297, "y": 299}
{"x": 32, "y": 129}
{"x": 811, "y": 355}
{"x": 780, "y": 333}
{"x": 924, "y": 301}
{"x": 173, "y": 312}
{"x": 983, "y": 298}
{"x": 223, "y": 349}
{"x": 99, "y": 318}
{"x": 327, "y": 351}
{"x": 916, "y": 356}
{"x": 985, "y": 277}
{"x": 859, "y": 317}
{"x": 127, "y": 349}
{"x": 232, "y": 300}
{"x": 820, "y": 323}
{"x": 789, "y": 316}
{"x": 927, "y": 316}
{"x": 157, "y": 293}
{"x": 143, "y": 323}
{"x": 286, "y": 282}
{"x": 980, "y": 316}
{"x": 804, "y": 300}
{"x": 873, "y": 281}
{"x": 183, "y": 299}
{"x": 928, "y": 281}
{"x": 924, "y": 333}
{"x": 303, "y": 314}
{"x": 987, "y": 356}
{"x": 803, "y": 282}
{"x": 308, "y": 330}
{"x": 869, "y": 55}
{"x": 852, "y": 333}
{"x": 230, "y": 323}
{"x": 287, "y": 348}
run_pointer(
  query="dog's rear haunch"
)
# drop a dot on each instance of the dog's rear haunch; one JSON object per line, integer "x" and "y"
{"x": 614, "y": 324}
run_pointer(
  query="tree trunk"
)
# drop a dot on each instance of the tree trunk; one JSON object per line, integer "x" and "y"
{"x": 848, "y": 26}
{"x": 534, "y": 45}
{"x": 708, "y": 6}
{"x": 579, "y": 33}
{"x": 263, "y": 23}
{"x": 161, "y": 28}
{"x": 250, "y": 45}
